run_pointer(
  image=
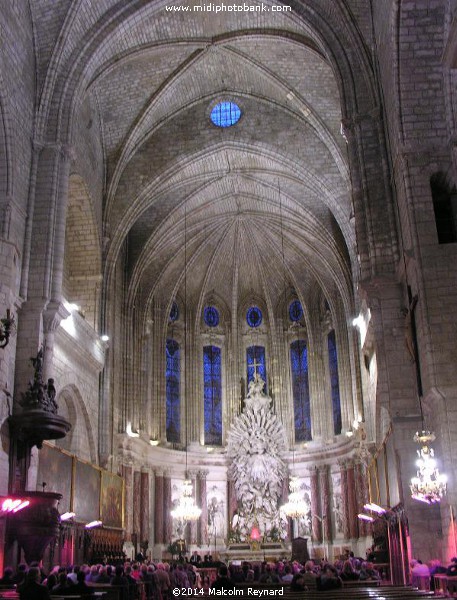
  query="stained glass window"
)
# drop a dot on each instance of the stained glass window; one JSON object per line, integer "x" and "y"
{"x": 174, "y": 312}
{"x": 225, "y": 114}
{"x": 255, "y": 358}
{"x": 254, "y": 316}
{"x": 172, "y": 377}
{"x": 334, "y": 382}
{"x": 212, "y": 381}
{"x": 300, "y": 390}
{"x": 295, "y": 311}
{"x": 211, "y": 316}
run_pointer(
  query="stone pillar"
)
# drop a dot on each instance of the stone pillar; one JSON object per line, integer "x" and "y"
{"x": 326, "y": 505}
{"x": 344, "y": 500}
{"x": 352, "y": 503}
{"x": 192, "y": 529}
{"x": 362, "y": 495}
{"x": 231, "y": 501}
{"x": 316, "y": 529}
{"x": 203, "y": 501}
{"x": 158, "y": 506}
{"x": 144, "y": 504}
{"x": 42, "y": 272}
{"x": 136, "y": 506}
{"x": 167, "y": 519}
{"x": 127, "y": 474}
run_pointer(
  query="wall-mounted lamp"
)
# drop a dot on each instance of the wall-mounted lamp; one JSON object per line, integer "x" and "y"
{"x": 6, "y": 328}
{"x": 154, "y": 442}
{"x": 129, "y": 431}
{"x": 67, "y": 516}
{"x": 93, "y": 524}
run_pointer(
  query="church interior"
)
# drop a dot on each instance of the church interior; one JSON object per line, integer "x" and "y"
{"x": 228, "y": 257}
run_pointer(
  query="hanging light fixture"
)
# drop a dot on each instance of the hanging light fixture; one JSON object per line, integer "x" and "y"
{"x": 296, "y": 506}
{"x": 186, "y": 509}
{"x": 429, "y": 485}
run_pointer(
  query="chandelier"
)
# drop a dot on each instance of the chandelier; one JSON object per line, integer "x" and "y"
{"x": 428, "y": 486}
{"x": 296, "y": 506}
{"x": 186, "y": 510}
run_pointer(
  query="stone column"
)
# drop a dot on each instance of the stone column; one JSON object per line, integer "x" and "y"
{"x": 136, "y": 505}
{"x": 362, "y": 494}
{"x": 344, "y": 500}
{"x": 326, "y": 505}
{"x": 167, "y": 519}
{"x": 316, "y": 528}
{"x": 144, "y": 515}
{"x": 231, "y": 504}
{"x": 127, "y": 474}
{"x": 158, "y": 507}
{"x": 203, "y": 501}
{"x": 352, "y": 503}
{"x": 192, "y": 529}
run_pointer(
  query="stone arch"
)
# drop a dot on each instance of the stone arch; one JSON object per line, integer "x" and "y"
{"x": 80, "y": 440}
{"x": 82, "y": 259}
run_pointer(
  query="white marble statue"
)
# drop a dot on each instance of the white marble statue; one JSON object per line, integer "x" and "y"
{"x": 256, "y": 443}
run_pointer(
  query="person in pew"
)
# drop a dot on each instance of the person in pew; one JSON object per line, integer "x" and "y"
{"x": 310, "y": 575}
{"x": 329, "y": 579}
{"x": 63, "y": 586}
{"x": 7, "y": 579}
{"x": 31, "y": 588}
{"x": 269, "y": 575}
{"x": 368, "y": 572}
{"x": 103, "y": 576}
{"x": 347, "y": 572}
{"x": 81, "y": 588}
{"x": 223, "y": 581}
{"x": 287, "y": 575}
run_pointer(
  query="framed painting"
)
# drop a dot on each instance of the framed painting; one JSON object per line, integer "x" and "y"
{"x": 112, "y": 500}
{"x": 86, "y": 494}
{"x": 55, "y": 474}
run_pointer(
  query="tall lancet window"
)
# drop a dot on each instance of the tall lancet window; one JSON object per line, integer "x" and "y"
{"x": 173, "y": 391}
{"x": 255, "y": 359}
{"x": 300, "y": 390}
{"x": 212, "y": 385}
{"x": 334, "y": 382}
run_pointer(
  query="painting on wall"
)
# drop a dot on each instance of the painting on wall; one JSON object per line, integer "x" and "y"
{"x": 86, "y": 492}
{"x": 112, "y": 495}
{"x": 55, "y": 474}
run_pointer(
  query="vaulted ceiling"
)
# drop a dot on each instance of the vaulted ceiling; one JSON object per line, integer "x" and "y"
{"x": 248, "y": 209}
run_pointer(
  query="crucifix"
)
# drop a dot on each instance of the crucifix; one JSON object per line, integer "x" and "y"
{"x": 255, "y": 365}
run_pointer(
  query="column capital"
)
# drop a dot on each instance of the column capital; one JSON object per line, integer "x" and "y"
{"x": 54, "y": 313}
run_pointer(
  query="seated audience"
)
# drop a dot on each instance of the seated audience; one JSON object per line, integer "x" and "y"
{"x": 63, "y": 586}
{"x": 347, "y": 572}
{"x": 223, "y": 581}
{"x": 329, "y": 579}
{"x": 31, "y": 588}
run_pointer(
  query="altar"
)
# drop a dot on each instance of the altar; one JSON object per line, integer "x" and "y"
{"x": 256, "y": 552}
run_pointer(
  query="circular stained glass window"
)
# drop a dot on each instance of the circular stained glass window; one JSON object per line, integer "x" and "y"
{"x": 225, "y": 114}
{"x": 211, "y": 316}
{"x": 254, "y": 316}
{"x": 295, "y": 311}
{"x": 174, "y": 312}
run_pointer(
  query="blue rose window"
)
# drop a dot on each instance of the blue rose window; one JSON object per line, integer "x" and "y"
{"x": 295, "y": 311}
{"x": 211, "y": 316}
{"x": 174, "y": 312}
{"x": 254, "y": 316}
{"x": 225, "y": 114}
